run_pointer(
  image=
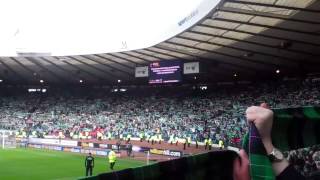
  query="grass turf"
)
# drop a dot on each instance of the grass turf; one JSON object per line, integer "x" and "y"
{"x": 34, "y": 164}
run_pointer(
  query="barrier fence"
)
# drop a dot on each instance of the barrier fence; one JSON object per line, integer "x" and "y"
{"x": 94, "y": 148}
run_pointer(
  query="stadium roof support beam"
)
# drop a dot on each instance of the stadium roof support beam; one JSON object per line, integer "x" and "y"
{"x": 262, "y": 35}
{"x": 251, "y": 42}
{"x": 107, "y": 65}
{"x": 225, "y": 54}
{"x": 87, "y": 72}
{"x": 264, "y": 14}
{"x": 170, "y": 55}
{"x": 131, "y": 55}
{"x": 189, "y": 60}
{"x": 137, "y": 64}
{"x": 145, "y": 54}
{"x": 200, "y": 59}
{"x": 13, "y": 71}
{"x": 60, "y": 67}
{"x": 47, "y": 69}
{"x": 95, "y": 68}
{"x": 266, "y": 26}
{"x": 18, "y": 62}
{"x": 22, "y": 65}
{"x": 110, "y": 60}
{"x": 289, "y": 60}
{"x": 125, "y": 59}
{"x": 4, "y": 74}
{"x": 245, "y": 68}
{"x": 273, "y": 6}
{"x": 141, "y": 53}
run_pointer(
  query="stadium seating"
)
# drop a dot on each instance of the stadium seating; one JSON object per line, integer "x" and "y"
{"x": 216, "y": 113}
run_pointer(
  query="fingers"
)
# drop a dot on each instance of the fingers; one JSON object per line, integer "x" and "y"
{"x": 251, "y": 113}
{"x": 264, "y": 105}
{"x": 236, "y": 169}
{"x": 255, "y": 112}
{"x": 241, "y": 167}
{"x": 244, "y": 158}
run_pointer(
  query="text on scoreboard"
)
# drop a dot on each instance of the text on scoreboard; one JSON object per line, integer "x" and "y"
{"x": 165, "y": 72}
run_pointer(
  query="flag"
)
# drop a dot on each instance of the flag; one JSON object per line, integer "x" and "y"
{"x": 293, "y": 128}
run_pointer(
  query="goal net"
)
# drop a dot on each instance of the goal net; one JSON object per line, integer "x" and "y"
{"x": 8, "y": 139}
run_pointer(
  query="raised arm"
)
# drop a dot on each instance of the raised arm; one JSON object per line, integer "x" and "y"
{"x": 263, "y": 119}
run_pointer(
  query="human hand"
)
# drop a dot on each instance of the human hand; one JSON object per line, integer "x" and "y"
{"x": 241, "y": 167}
{"x": 262, "y": 118}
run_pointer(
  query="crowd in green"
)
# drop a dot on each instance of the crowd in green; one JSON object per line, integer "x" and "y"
{"x": 175, "y": 116}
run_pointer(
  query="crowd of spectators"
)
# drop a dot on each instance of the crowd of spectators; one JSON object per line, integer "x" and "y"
{"x": 216, "y": 114}
{"x": 305, "y": 160}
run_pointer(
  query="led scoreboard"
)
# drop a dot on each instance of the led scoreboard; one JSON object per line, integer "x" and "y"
{"x": 165, "y": 72}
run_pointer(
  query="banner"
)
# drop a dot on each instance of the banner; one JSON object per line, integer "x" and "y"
{"x": 53, "y": 142}
{"x": 166, "y": 152}
{"x": 106, "y": 146}
{"x": 75, "y": 150}
{"x": 142, "y": 71}
{"x": 292, "y": 128}
{"x": 44, "y": 141}
{"x": 102, "y": 153}
{"x": 66, "y": 149}
{"x": 68, "y": 143}
{"x": 84, "y": 144}
{"x": 86, "y": 147}
{"x": 191, "y": 68}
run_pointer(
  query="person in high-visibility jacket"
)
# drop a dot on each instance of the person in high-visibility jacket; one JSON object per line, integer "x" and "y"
{"x": 221, "y": 144}
{"x": 206, "y": 142}
{"x": 210, "y": 143}
{"x": 189, "y": 141}
{"x": 112, "y": 159}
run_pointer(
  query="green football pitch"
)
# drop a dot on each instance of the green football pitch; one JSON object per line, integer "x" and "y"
{"x": 33, "y": 164}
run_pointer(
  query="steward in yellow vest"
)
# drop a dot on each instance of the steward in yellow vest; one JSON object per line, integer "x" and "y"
{"x": 221, "y": 144}
{"x": 112, "y": 159}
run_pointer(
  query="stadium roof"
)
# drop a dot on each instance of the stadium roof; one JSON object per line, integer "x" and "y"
{"x": 248, "y": 37}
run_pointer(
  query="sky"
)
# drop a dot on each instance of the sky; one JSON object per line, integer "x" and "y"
{"x": 71, "y": 27}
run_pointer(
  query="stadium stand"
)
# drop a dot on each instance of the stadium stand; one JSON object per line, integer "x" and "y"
{"x": 219, "y": 113}
{"x": 306, "y": 160}
{"x": 240, "y": 42}
{"x": 198, "y": 114}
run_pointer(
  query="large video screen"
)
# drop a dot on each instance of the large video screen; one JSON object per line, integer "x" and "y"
{"x": 165, "y": 72}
